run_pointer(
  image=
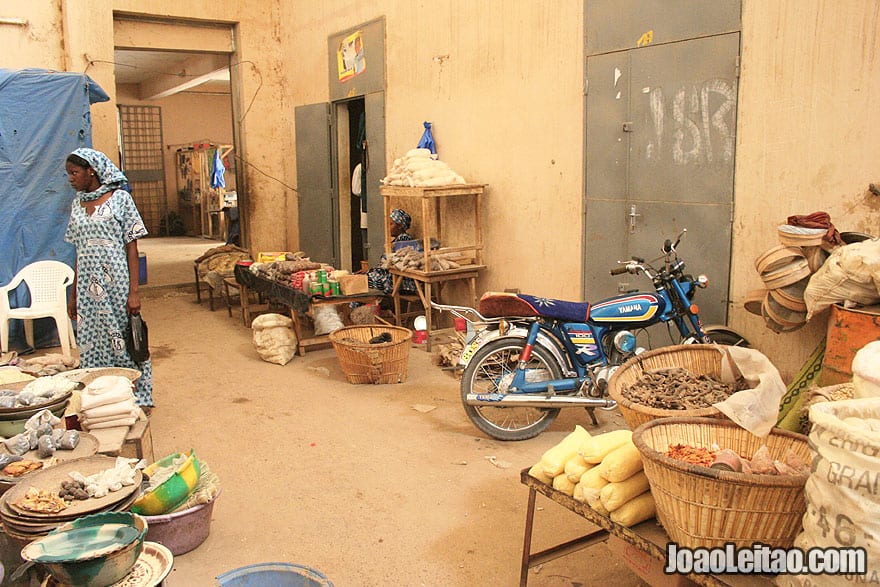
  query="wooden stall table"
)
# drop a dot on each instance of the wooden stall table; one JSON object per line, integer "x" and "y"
{"x": 296, "y": 301}
{"x": 648, "y": 537}
{"x": 425, "y": 282}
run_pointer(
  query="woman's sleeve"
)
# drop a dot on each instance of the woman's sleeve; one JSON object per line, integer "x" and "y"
{"x": 132, "y": 225}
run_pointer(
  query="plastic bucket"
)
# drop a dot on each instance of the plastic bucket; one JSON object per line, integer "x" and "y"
{"x": 274, "y": 575}
{"x": 183, "y": 531}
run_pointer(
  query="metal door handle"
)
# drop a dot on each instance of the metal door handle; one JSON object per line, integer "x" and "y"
{"x": 632, "y": 219}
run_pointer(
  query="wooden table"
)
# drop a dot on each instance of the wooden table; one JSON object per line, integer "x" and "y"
{"x": 425, "y": 280}
{"x": 648, "y": 537}
{"x": 297, "y": 302}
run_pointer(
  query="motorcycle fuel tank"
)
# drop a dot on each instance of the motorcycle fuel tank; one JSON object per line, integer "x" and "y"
{"x": 635, "y": 308}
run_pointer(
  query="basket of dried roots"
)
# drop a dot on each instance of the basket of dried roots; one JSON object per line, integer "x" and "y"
{"x": 679, "y": 380}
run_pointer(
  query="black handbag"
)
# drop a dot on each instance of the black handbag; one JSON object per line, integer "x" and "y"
{"x": 136, "y": 339}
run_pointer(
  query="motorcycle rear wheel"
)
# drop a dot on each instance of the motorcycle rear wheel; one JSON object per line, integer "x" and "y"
{"x": 495, "y": 361}
{"x": 722, "y": 335}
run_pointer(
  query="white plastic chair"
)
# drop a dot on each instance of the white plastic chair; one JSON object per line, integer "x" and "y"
{"x": 47, "y": 282}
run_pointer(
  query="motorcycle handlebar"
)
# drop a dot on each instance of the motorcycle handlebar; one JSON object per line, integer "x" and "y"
{"x": 619, "y": 270}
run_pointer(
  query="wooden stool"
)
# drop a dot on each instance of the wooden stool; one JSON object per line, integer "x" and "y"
{"x": 126, "y": 441}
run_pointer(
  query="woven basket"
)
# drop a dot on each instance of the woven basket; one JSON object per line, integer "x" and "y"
{"x": 363, "y": 362}
{"x": 699, "y": 359}
{"x": 703, "y": 507}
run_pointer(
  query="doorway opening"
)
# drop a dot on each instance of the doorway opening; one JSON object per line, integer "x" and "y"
{"x": 187, "y": 92}
{"x": 353, "y": 163}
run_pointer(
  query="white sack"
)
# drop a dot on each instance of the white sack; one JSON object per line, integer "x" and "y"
{"x": 755, "y": 409}
{"x": 274, "y": 338}
{"x": 850, "y": 274}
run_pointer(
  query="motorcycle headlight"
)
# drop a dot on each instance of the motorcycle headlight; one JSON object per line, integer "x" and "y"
{"x": 625, "y": 341}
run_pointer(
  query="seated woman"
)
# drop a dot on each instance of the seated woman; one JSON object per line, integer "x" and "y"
{"x": 380, "y": 278}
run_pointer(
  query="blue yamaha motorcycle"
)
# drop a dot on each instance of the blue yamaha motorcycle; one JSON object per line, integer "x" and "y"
{"x": 525, "y": 357}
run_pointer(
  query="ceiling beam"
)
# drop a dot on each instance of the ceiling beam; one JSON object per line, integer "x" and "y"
{"x": 194, "y": 72}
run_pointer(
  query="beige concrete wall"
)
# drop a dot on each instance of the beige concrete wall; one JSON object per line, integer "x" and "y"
{"x": 808, "y": 128}
{"x": 502, "y": 84}
{"x": 186, "y": 118}
{"x": 265, "y": 119}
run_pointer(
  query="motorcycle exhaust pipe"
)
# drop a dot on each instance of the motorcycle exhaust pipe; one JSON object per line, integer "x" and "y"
{"x": 512, "y": 400}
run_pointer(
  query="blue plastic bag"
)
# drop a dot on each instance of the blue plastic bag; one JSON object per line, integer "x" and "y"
{"x": 427, "y": 140}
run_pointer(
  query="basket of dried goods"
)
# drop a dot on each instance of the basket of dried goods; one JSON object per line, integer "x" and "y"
{"x": 372, "y": 354}
{"x": 716, "y": 483}
{"x": 679, "y": 380}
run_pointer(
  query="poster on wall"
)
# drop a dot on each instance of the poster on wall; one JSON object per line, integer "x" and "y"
{"x": 350, "y": 56}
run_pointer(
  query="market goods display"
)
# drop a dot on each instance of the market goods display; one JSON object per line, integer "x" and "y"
{"x": 725, "y": 459}
{"x": 35, "y": 506}
{"x": 603, "y": 471}
{"x": 675, "y": 388}
{"x": 42, "y": 391}
{"x": 409, "y": 258}
{"x": 107, "y": 402}
{"x": 697, "y": 359}
{"x": 702, "y": 506}
{"x": 419, "y": 168}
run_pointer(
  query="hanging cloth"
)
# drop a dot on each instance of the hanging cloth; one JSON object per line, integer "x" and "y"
{"x": 218, "y": 179}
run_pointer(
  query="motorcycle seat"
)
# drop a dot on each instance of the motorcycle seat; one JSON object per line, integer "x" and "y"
{"x": 498, "y": 304}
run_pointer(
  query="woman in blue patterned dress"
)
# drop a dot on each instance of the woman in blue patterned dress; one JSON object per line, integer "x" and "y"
{"x": 380, "y": 278}
{"x": 104, "y": 227}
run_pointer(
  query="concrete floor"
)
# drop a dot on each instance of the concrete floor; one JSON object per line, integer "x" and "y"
{"x": 371, "y": 485}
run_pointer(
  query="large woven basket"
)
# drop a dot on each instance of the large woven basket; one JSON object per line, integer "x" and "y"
{"x": 704, "y": 507}
{"x": 365, "y": 362}
{"x": 699, "y": 359}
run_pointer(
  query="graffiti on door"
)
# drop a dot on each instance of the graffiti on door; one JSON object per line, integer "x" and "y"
{"x": 702, "y": 126}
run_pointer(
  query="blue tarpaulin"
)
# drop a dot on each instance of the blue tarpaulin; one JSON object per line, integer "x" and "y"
{"x": 44, "y": 116}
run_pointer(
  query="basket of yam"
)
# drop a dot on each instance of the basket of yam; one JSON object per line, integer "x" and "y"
{"x": 678, "y": 380}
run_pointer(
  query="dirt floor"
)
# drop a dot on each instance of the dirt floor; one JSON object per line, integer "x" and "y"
{"x": 371, "y": 485}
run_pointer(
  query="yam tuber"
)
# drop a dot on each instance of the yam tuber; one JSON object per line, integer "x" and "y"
{"x": 555, "y": 458}
{"x": 614, "y": 495}
{"x": 635, "y": 510}
{"x": 596, "y": 448}
{"x": 622, "y": 463}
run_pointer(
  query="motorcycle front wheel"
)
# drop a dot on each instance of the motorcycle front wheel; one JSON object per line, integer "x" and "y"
{"x": 490, "y": 371}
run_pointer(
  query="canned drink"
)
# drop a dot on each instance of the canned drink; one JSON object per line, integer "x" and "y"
{"x": 334, "y": 288}
{"x": 315, "y": 288}
{"x": 322, "y": 275}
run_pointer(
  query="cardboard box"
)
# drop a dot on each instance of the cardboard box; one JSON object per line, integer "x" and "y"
{"x": 353, "y": 284}
{"x": 271, "y": 256}
{"x": 648, "y": 568}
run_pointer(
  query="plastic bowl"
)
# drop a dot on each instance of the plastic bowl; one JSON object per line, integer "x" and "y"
{"x": 183, "y": 531}
{"x": 101, "y": 567}
{"x": 274, "y": 575}
{"x": 174, "y": 490}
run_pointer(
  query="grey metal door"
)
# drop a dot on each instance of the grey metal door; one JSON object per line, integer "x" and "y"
{"x": 374, "y": 109}
{"x": 318, "y": 223}
{"x": 660, "y": 157}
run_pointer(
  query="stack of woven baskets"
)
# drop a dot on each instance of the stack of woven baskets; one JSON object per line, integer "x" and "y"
{"x": 786, "y": 270}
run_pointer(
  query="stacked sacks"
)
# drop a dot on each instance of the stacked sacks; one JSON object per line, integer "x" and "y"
{"x": 108, "y": 401}
{"x": 603, "y": 471}
{"x": 418, "y": 168}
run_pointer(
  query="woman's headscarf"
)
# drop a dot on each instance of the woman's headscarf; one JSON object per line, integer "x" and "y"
{"x": 401, "y": 217}
{"x": 109, "y": 175}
